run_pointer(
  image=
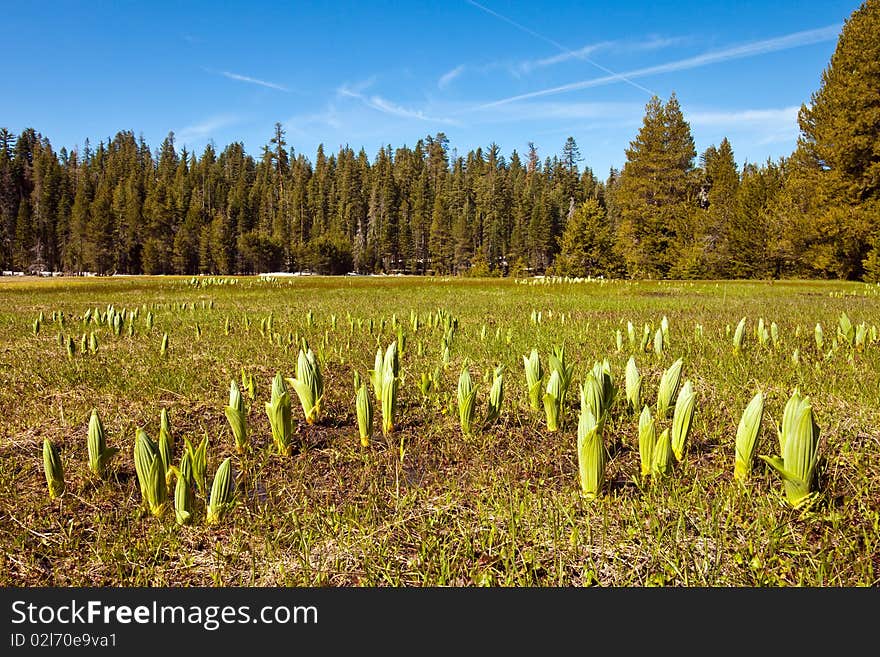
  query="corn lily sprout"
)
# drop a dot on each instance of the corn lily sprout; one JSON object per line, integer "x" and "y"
{"x": 145, "y": 450}
{"x": 799, "y": 443}
{"x": 682, "y": 419}
{"x": 591, "y": 398}
{"x": 534, "y": 379}
{"x": 668, "y": 387}
{"x": 249, "y": 383}
{"x": 747, "y": 437}
{"x": 467, "y": 400}
{"x": 591, "y": 454}
{"x": 150, "y": 471}
{"x": 183, "y": 497}
{"x": 738, "y": 336}
{"x": 426, "y": 383}
{"x": 646, "y": 338}
{"x": 558, "y": 363}
{"x": 53, "y": 469}
{"x": 166, "y": 443}
{"x": 602, "y": 374}
{"x": 401, "y": 338}
{"x": 364, "y": 408}
{"x": 278, "y": 410}
{"x": 391, "y": 361}
{"x": 861, "y": 336}
{"x": 553, "y": 401}
{"x": 222, "y": 492}
{"x": 658, "y": 342}
{"x": 309, "y": 385}
{"x": 99, "y": 453}
{"x": 388, "y": 381}
{"x": 661, "y": 463}
{"x": 236, "y": 415}
{"x": 197, "y": 462}
{"x": 633, "y": 385}
{"x": 845, "y": 329}
{"x": 496, "y": 396}
{"x": 762, "y": 333}
{"x": 647, "y": 441}
{"x": 389, "y": 404}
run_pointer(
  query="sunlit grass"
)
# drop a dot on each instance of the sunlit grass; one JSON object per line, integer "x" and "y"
{"x": 429, "y": 504}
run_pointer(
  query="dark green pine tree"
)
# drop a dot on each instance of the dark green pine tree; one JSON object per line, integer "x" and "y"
{"x": 719, "y": 198}
{"x": 440, "y": 246}
{"x": 100, "y": 233}
{"x": 839, "y": 151}
{"x": 749, "y": 234}
{"x": 586, "y": 247}
{"x": 46, "y": 197}
{"x": 22, "y": 255}
{"x": 8, "y": 197}
{"x": 22, "y": 230}
{"x": 74, "y": 251}
{"x": 159, "y": 211}
{"x": 571, "y": 155}
{"x": 655, "y": 196}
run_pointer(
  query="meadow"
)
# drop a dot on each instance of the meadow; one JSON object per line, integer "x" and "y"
{"x": 427, "y": 502}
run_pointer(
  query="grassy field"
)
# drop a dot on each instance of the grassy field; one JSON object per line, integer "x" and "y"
{"x": 427, "y": 504}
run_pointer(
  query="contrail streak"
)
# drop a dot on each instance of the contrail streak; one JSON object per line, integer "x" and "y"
{"x": 567, "y": 51}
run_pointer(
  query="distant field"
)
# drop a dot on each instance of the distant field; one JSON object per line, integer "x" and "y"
{"x": 427, "y": 504}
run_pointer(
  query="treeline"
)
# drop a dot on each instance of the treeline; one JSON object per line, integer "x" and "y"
{"x": 120, "y": 207}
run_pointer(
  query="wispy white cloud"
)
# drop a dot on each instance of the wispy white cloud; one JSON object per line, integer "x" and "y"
{"x": 246, "y": 78}
{"x": 304, "y": 124}
{"x": 598, "y": 112}
{"x": 745, "y": 117}
{"x": 205, "y": 128}
{"x": 618, "y": 76}
{"x": 751, "y": 126}
{"x": 447, "y": 78}
{"x": 356, "y": 89}
{"x": 649, "y": 43}
{"x": 617, "y": 47}
{"x": 386, "y": 106}
{"x": 581, "y": 53}
{"x": 753, "y": 49}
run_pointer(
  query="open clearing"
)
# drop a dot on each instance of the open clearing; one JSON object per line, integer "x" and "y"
{"x": 428, "y": 505}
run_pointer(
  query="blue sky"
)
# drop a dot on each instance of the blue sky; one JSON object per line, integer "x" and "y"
{"x": 377, "y": 72}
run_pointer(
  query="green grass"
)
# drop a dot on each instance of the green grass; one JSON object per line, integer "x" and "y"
{"x": 498, "y": 507}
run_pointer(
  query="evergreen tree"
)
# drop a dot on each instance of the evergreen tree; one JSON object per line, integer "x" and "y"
{"x": 749, "y": 235}
{"x": 440, "y": 245}
{"x": 99, "y": 253}
{"x": 840, "y": 149}
{"x": 719, "y": 200}
{"x": 571, "y": 154}
{"x": 840, "y": 128}
{"x": 654, "y": 196}
{"x": 586, "y": 247}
